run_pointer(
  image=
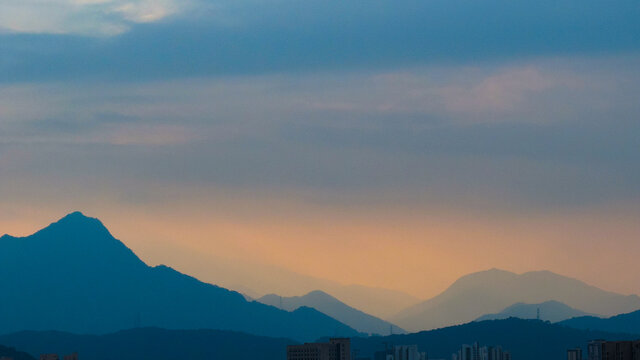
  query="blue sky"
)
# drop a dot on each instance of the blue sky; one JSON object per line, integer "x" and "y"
{"x": 508, "y": 109}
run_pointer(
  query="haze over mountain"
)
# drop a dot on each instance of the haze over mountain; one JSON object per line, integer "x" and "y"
{"x": 231, "y": 274}
{"x": 629, "y": 323}
{"x": 333, "y": 307}
{"x": 74, "y": 276}
{"x": 552, "y": 311}
{"x": 491, "y": 291}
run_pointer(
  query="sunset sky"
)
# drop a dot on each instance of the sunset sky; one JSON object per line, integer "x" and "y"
{"x": 398, "y": 144}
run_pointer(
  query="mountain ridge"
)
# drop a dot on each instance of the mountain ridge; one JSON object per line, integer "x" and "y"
{"x": 73, "y": 275}
{"x": 490, "y": 291}
{"x": 629, "y": 322}
{"x": 333, "y": 307}
{"x": 551, "y": 310}
{"x": 550, "y": 341}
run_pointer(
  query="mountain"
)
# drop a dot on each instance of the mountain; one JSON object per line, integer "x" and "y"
{"x": 152, "y": 343}
{"x": 489, "y": 292}
{"x": 333, "y": 307}
{"x": 525, "y": 339}
{"x": 11, "y": 353}
{"x": 241, "y": 276}
{"x": 629, "y": 323}
{"x": 74, "y": 276}
{"x": 553, "y": 311}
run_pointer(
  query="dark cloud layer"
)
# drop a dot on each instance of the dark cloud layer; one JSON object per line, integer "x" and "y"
{"x": 274, "y": 36}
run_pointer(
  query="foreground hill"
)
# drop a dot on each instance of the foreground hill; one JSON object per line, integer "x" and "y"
{"x": 333, "y": 307}
{"x": 491, "y": 291}
{"x": 629, "y": 323}
{"x": 74, "y": 276}
{"x": 525, "y": 339}
{"x": 152, "y": 343}
{"x": 552, "y": 311}
{"x": 11, "y": 353}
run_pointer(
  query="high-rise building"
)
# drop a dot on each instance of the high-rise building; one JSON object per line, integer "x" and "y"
{"x": 401, "y": 352}
{"x": 407, "y": 352}
{"x": 594, "y": 349}
{"x": 613, "y": 350}
{"x": 335, "y": 349}
{"x": 574, "y": 354}
{"x": 617, "y": 350}
{"x": 476, "y": 352}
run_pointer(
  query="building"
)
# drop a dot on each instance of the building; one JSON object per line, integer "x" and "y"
{"x": 574, "y": 354}
{"x": 594, "y": 349}
{"x": 401, "y": 352}
{"x": 73, "y": 356}
{"x": 475, "y": 352}
{"x": 335, "y": 349}
{"x": 613, "y": 350}
{"x": 617, "y": 350}
{"x": 49, "y": 357}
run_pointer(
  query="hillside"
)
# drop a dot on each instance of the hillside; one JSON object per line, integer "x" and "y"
{"x": 525, "y": 339}
{"x": 491, "y": 291}
{"x": 334, "y": 308}
{"x": 152, "y": 343}
{"x": 552, "y": 311}
{"x": 629, "y": 323}
{"x": 14, "y": 354}
{"x": 74, "y": 276}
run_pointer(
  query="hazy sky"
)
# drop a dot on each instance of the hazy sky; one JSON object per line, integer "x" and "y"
{"x": 397, "y": 143}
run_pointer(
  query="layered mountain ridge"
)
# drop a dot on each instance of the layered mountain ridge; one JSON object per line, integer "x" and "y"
{"x": 75, "y": 276}
{"x": 491, "y": 291}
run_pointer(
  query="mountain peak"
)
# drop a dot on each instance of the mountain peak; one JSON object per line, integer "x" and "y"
{"x": 76, "y": 217}
{"x": 77, "y": 222}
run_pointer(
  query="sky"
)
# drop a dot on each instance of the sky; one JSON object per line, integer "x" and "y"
{"x": 397, "y": 144}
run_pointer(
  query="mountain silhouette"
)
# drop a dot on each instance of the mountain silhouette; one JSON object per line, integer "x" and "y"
{"x": 491, "y": 291}
{"x": 75, "y": 276}
{"x": 152, "y": 343}
{"x": 629, "y": 323}
{"x": 525, "y": 339}
{"x": 552, "y": 311}
{"x": 11, "y": 353}
{"x": 241, "y": 276}
{"x": 333, "y": 307}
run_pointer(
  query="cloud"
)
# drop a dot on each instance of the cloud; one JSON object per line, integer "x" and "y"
{"x": 499, "y": 93}
{"x": 84, "y": 17}
{"x": 550, "y": 132}
{"x": 225, "y": 37}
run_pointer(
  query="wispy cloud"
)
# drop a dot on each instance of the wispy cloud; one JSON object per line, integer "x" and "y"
{"x": 84, "y": 17}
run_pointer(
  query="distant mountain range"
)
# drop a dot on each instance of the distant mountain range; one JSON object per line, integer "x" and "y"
{"x": 241, "y": 276}
{"x": 629, "y": 323}
{"x": 333, "y": 307}
{"x": 492, "y": 291}
{"x": 552, "y": 311}
{"x": 74, "y": 276}
{"x": 525, "y": 339}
